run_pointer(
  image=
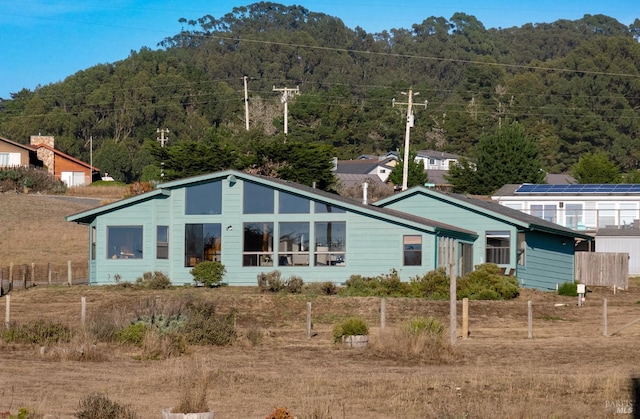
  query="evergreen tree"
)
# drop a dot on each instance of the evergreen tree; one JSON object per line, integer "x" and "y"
{"x": 508, "y": 156}
{"x": 596, "y": 168}
{"x": 416, "y": 175}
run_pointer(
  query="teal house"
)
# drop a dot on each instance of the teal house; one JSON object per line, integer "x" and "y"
{"x": 540, "y": 253}
{"x": 255, "y": 224}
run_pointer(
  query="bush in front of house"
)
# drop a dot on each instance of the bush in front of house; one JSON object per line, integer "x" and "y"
{"x": 208, "y": 273}
{"x": 388, "y": 285}
{"x": 273, "y": 282}
{"x": 20, "y": 179}
{"x": 352, "y": 326}
{"x": 569, "y": 289}
{"x": 153, "y": 280}
{"x": 434, "y": 285}
{"x": 486, "y": 282}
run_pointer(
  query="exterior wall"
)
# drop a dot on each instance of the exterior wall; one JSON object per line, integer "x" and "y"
{"x": 373, "y": 245}
{"x": 622, "y": 244}
{"x": 548, "y": 262}
{"x": 63, "y": 165}
{"x": 595, "y": 214}
{"x": 444, "y": 212}
{"x": 10, "y": 148}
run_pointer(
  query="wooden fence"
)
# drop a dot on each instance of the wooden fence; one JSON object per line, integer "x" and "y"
{"x": 32, "y": 274}
{"x": 603, "y": 269}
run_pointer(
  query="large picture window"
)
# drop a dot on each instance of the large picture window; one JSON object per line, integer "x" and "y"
{"x": 205, "y": 198}
{"x": 330, "y": 244}
{"x": 162, "y": 242}
{"x": 257, "y": 199}
{"x": 293, "y": 204}
{"x": 412, "y": 250}
{"x": 498, "y": 246}
{"x": 93, "y": 243}
{"x": 293, "y": 245}
{"x": 258, "y": 244}
{"x": 202, "y": 242}
{"x": 124, "y": 242}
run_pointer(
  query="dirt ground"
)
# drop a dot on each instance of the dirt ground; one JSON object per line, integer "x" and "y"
{"x": 568, "y": 369}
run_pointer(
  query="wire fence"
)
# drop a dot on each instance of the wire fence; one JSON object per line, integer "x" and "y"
{"x": 22, "y": 276}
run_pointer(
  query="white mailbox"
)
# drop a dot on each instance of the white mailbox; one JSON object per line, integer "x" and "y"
{"x": 581, "y": 288}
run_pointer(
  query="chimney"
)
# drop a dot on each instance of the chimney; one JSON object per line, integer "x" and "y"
{"x": 42, "y": 139}
{"x": 365, "y": 193}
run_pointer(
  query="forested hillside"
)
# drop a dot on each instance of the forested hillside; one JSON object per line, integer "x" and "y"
{"x": 573, "y": 85}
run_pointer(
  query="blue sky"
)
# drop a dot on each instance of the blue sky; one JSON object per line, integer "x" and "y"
{"x": 44, "y": 41}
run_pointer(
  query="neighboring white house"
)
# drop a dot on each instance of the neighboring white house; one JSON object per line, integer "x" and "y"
{"x": 578, "y": 206}
{"x": 436, "y": 160}
{"x": 372, "y": 167}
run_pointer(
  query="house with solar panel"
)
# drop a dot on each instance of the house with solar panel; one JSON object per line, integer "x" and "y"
{"x": 608, "y": 212}
{"x": 253, "y": 224}
{"x": 538, "y": 252}
{"x": 584, "y": 207}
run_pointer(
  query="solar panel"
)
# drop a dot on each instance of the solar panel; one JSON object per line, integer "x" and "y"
{"x": 593, "y": 188}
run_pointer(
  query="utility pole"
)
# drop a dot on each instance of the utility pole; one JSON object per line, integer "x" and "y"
{"x": 410, "y": 118}
{"x": 287, "y": 93}
{"x": 162, "y": 139}
{"x": 246, "y": 104}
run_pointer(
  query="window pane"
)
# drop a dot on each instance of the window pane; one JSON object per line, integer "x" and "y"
{"x": 205, "y": 198}
{"x": 162, "y": 242}
{"x": 258, "y": 244}
{"x": 498, "y": 247}
{"x": 330, "y": 243}
{"x": 293, "y": 204}
{"x": 124, "y": 242}
{"x": 293, "y": 245}
{"x": 258, "y": 199}
{"x": 573, "y": 216}
{"x": 412, "y": 246}
{"x": 202, "y": 243}
{"x": 322, "y": 208}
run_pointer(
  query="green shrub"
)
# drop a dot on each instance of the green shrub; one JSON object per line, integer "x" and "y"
{"x": 388, "y": 285}
{"x": 434, "y": 285}
{"x": 98, "y": 406}
{"x": 351, "y": 326}
{"x": 36, "y": 180}
{"x": 132, "y": 334}
{"x": 208, "y": 273}
{"x": 154, "y": 280}
{"x": 487, "y": 283}
{"x": 570, "y": 289}
{"x": 425, "y": 326}
{"x": 39, "y": 332}
{"x": 203, "y": 327}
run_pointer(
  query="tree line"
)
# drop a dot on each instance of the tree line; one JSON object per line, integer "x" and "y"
{"x": 570, "y": 87}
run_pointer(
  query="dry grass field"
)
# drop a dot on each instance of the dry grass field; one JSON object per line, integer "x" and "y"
{"x": 567, "y": 370}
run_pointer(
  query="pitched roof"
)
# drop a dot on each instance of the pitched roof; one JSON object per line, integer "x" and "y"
{"x": 24, "y": 146}
{"x": 351, "y": 179}
{"x": 353, "y": 205}
{"x": 437, "y": 154}
{"x": 362, "y": 166}
{"x": 66, "y": 156}
{"x": 489, "y": 208}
